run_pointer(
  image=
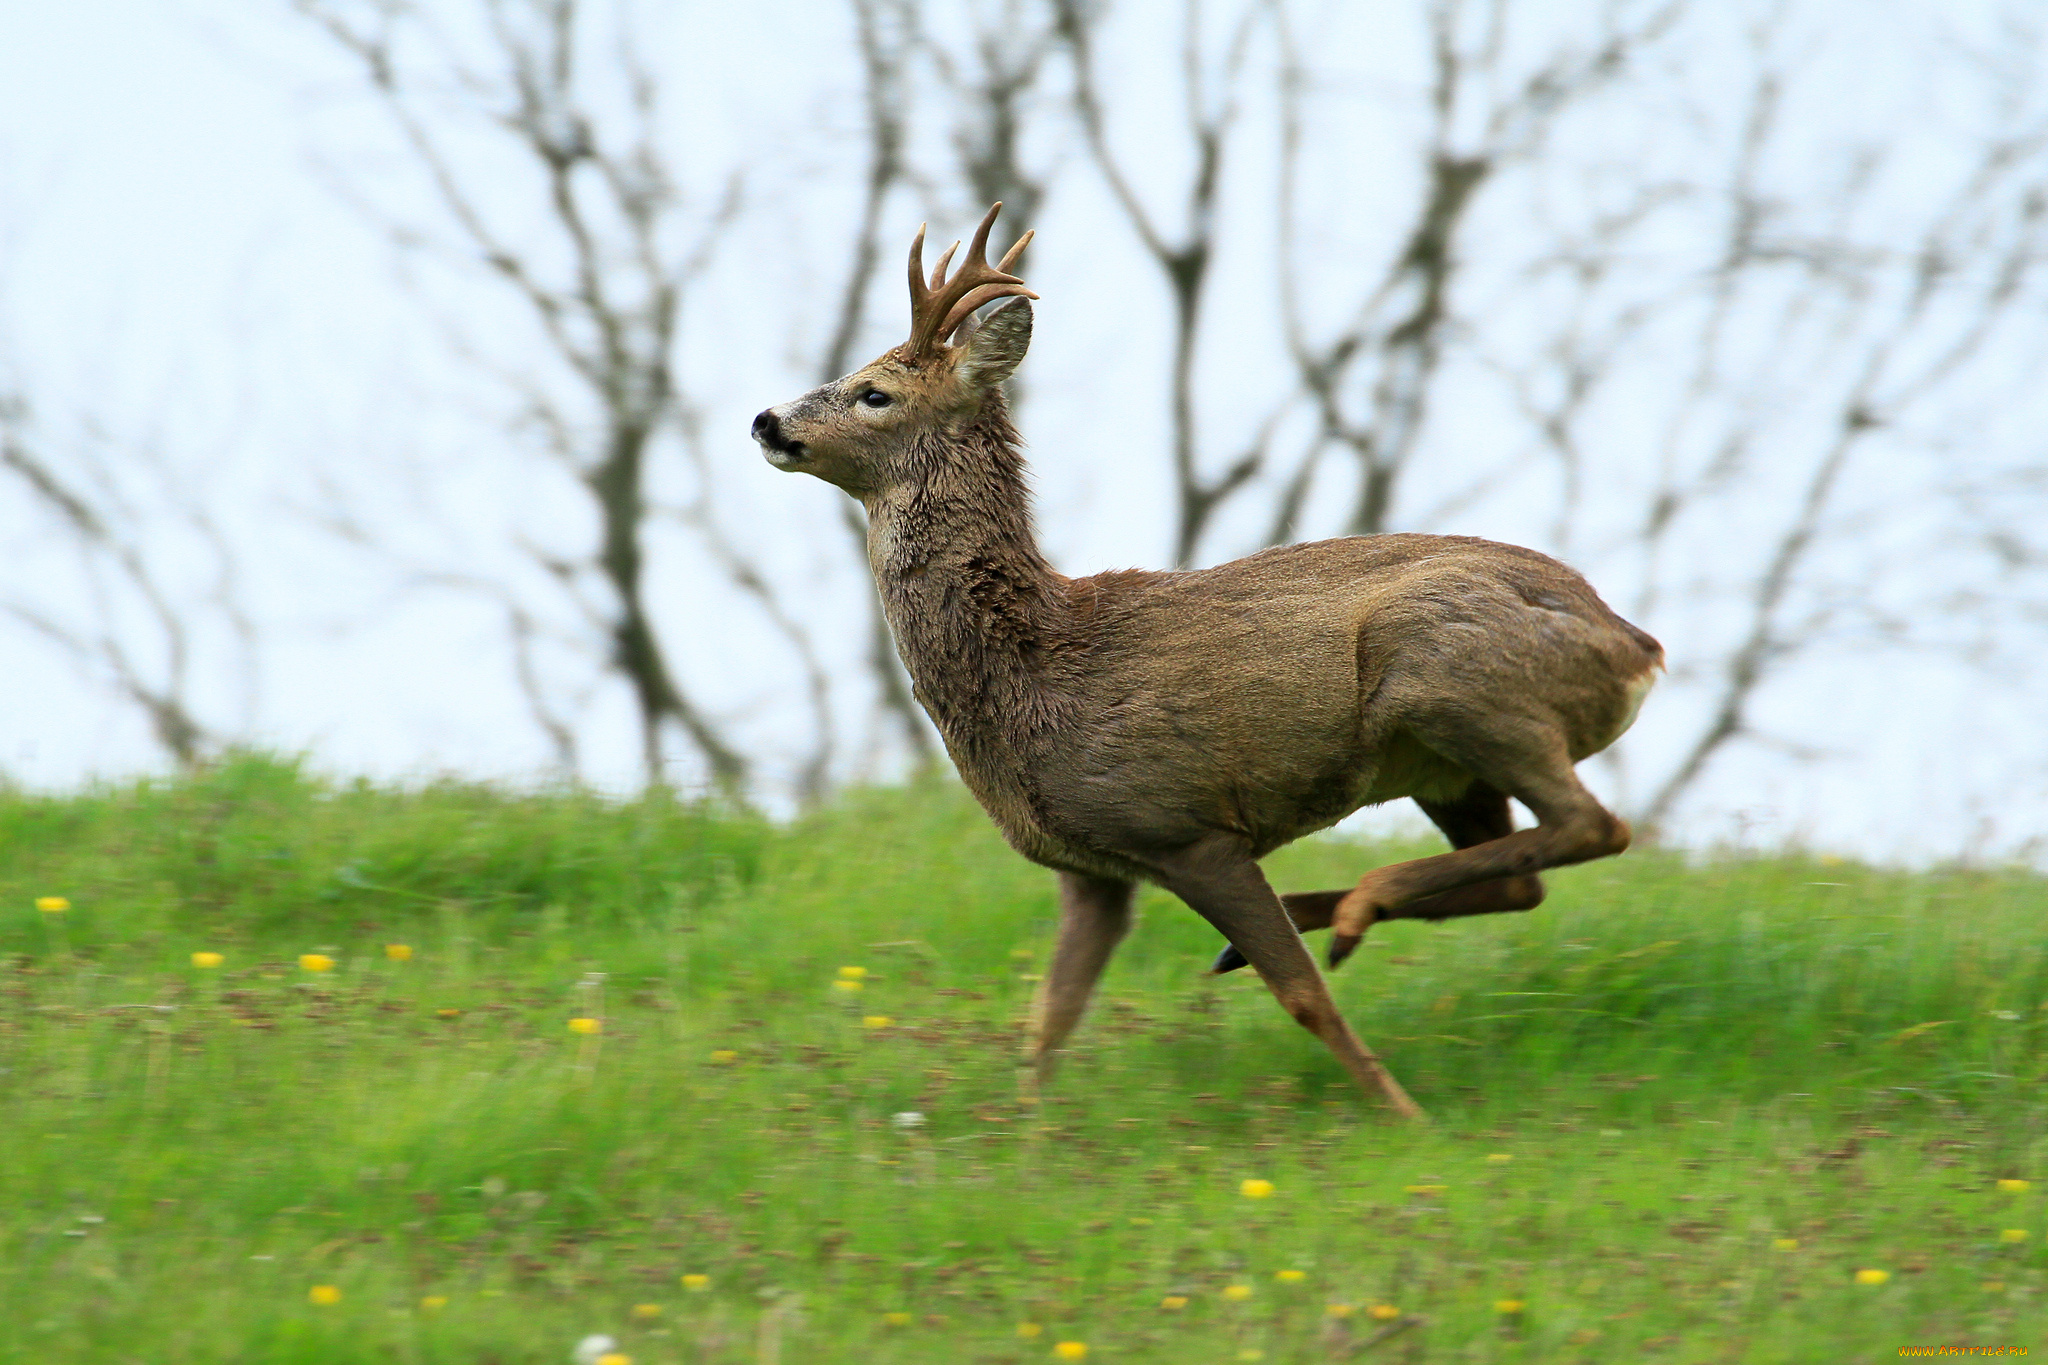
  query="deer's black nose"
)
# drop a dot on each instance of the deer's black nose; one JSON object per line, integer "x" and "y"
{"x": 782, "y": 452}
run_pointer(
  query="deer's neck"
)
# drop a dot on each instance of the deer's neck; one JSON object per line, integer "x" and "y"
{"x": 974, "y": 606}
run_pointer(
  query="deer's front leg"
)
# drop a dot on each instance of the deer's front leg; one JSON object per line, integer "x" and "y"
{"x": 1309, "y": 910}
{"x": 1219, "y": 879}
{"x": 1095, "y": 914}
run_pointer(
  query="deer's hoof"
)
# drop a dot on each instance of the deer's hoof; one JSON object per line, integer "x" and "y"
{"x": 1229, "y": 960}
{"x": 1342, "y": 946}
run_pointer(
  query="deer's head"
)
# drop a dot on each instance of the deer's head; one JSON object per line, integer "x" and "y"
{"x": 863, "y": 432}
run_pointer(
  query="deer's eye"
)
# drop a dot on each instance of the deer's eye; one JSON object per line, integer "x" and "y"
{"x": 875, "y": 398}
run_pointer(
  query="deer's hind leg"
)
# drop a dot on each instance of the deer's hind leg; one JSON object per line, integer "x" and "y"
{"x": 1479, "y": 816}
{"x": 1095, "y": 914}
{"x": 1572, "y": 827}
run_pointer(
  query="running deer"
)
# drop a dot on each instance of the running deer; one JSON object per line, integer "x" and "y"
{"x": 1176, "y": 728}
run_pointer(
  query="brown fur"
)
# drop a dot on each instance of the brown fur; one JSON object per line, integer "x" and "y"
{"x": 1177, "y": 727}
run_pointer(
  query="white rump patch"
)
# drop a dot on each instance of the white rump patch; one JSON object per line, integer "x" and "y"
{"x": 1638, "y": 688}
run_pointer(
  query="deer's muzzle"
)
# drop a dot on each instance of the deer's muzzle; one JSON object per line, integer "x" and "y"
{"x": 779, "y": 449}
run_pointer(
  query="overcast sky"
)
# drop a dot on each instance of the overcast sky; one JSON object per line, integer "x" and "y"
{"x": 190, "y": 263}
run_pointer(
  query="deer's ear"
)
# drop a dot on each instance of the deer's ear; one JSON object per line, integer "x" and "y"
{"x": 997, "y": 346}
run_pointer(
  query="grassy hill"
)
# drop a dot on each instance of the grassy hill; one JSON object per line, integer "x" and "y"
{"x": 1758, "y": 1110}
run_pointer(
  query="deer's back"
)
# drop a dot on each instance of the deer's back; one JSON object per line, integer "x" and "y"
{"x": 1275, "y": 694}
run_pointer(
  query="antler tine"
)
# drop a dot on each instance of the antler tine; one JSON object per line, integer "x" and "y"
{"x": 918, "y": 292}
{"x": 975, "y": 298}
{"x": 1016, "y": 250}
{"x": 939, "y": 269}
{"x": 977, "y": 255}
{"x": 940, "y": 306}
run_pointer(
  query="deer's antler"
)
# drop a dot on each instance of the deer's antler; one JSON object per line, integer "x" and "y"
{"x": 939, "y": 307}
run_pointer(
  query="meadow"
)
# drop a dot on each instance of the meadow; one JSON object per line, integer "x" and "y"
{"x": 308, "y": 1071}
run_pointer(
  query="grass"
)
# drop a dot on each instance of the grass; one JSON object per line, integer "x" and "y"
{"x": 1677, "y": 1109}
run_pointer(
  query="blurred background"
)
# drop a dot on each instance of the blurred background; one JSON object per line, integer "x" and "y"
{"x": 375, "y": 377}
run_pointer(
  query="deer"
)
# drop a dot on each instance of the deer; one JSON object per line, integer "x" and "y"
{"x": 1174, "y": 728}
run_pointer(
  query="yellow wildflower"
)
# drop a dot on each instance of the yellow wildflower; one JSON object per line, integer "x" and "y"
{"x": 696, "y": 1284}
{"x": 2014, "y": 1186}
{"x": 725, "y": 1056}
{"x": 876, "y": 1021}
{"x": 1872, "y": 1276}
{"x": 207, "y": 959}
{"x": 852, "y": 986}
{"x": 1290, "y": 1276}
{"x": 1071, "y": 1350}
{"x": 896, "y": 1319}
{"x": 315, "y": 962}
{"x": 1784, "y": 1244}
{"x": 1256, "y": 1189}
{"x": 1237, "y": 1293}
{"x": 585, "y": 1025}
{"x": 1339, "y": 1310}
{"x": 398, "y": 952}
{"x": 1509, "y": 1305}
{"x": 434, "y": 1303}
{"x": 2013, "y": 1235}
{"x": 1028, "y": 1330}
{"x": 646, "y": 1311}
{"x": 1173, "y": 1303}
{"x": 853, "y": 973}
{"x": 323, "y": 1294}
{"x": 614, "y": 1358}
{"x": 1383, "y": 1312}
{"x": 448, "y": 1013}
{"x": 1500, "y": 1158}
{"x": 52, "y": 905}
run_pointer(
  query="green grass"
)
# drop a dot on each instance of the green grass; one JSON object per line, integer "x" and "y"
{"x": 1681, "y": 1062}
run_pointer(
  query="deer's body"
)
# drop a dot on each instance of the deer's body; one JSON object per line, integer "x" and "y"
{"x": 1100, "y": 720}
{"x": 1177, "y": 727}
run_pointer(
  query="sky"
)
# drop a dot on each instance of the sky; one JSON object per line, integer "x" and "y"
{"x": 195, "y": 270}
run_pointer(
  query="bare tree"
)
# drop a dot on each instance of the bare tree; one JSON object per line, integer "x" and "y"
{"x": 607, "y": 287}
{"x": 1963, "y": 283}
{"x": 984, "y": 81}
{"x": 135, "y": 629}
{"x": 991, "y": 89}
{"x": 814, "y": 771}
{"x": 1369, "y": 382}
{"x": 1815, "y": 329}
{"x": 1212, "y": 104}
{"x": 886, "y": 31}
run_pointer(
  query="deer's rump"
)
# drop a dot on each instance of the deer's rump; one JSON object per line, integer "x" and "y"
{"x": 1276, "y": 694}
